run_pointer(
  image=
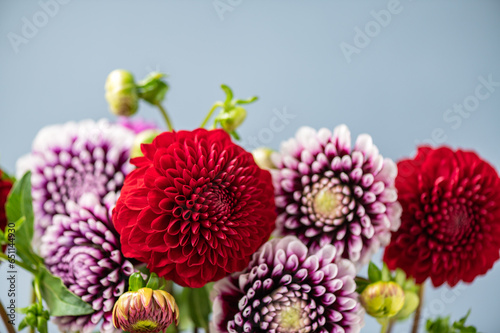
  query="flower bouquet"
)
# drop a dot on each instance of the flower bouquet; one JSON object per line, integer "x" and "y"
{"x": 126, "y": 227}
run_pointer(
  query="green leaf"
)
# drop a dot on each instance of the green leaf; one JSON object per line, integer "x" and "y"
{"x": 361, "y": 284}
{"x": 19, "y": 205}
{"x": 400, "y": 277}
{"x": 442, "y": 325}
{"x": 229, "y": 93}
{"x": 374, "y": 273}
{"x": 199, "y": 306}
{"x": 59, "y": 299}
{"x": 464, "y": 318}
{"x": 22, "y": 325}
{"x": 386, "y": 273}
{"x": 246, "y": 101}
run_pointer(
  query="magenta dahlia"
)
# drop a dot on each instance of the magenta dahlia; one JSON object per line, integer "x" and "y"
{"x": 196, "y": 208}
{"x": 83, "y": 249}
{"x": 328, "y": 192}
{"x": 288, "y": 288}
{"x": 72, "y": 159}
{"x": 450, "y": 229}
{"x": 137, "y": 125}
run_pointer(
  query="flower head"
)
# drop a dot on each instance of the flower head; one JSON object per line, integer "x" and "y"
{"x": 145, "y": 310}
{"x": 262, "y": 156}
{"x": 328, "y": 192}
{"x": 72, "y": 159}
{"x": 288, "y": 288}
{"x": 196, "y": 208}
{"x": 450, "y": 228}
{"x": 383, "y": 299}
{"x": 121, "y": 93}
{"x": 83, "y": 249}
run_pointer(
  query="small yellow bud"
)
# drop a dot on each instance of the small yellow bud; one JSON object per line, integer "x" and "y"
{"x": 121, "y": 93}
{"x": 231, "y": 120}
{"x": 146, "y": 136}
{"x": 383, "y": 299}
{"x": 262, "y": 157}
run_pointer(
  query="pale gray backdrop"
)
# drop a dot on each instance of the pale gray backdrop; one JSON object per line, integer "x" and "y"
{"x": 306, "y": 58}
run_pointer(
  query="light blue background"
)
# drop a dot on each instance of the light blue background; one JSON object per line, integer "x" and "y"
{"x": 397, "y": 88}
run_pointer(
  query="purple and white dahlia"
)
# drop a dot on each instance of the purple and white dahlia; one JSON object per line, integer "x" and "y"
{"x": 83, "y": 249}
{"x": 328, "y": 192}
{"x": 288, "y": 288}
{"x": 72, "y": 159}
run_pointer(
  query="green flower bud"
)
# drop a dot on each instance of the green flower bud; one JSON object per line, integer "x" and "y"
{"x": 153, "y": 88}
{"x": 232, "y": 119}
{"x": 146, "y": 136}
{"x": 41, "y": 325}
{"x": 411, "y": 303}
{"x": 382, "y": 299}
{"x": 121, "y": 93}
{"x": 31, "y": 319}
{"x": 262, "y": 157}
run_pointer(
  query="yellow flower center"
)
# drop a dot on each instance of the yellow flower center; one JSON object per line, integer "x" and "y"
{"x": 325, "y": 202}
{"x": 144, "y": 325}
{"x": 290, "y": 319}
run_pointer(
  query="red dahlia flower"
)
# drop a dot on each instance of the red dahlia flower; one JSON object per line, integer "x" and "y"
{"x": 5, "y": 186}
{"x": 450, "y": 227}
{"x": 196, "y": 208}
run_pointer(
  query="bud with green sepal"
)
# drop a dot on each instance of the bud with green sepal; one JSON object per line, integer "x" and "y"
{"x": 382, "y": 299}
{"x": 262, "y": 157}
{"x": 153, "y": 88}
{"x": 121, "y": 93}
{"x": 145, "y": 307}
{"x": 36, "y": 317}
{"x": 232, "y": 114}
{"x": 377, "y": 278}
{"x": 146, "y": 136}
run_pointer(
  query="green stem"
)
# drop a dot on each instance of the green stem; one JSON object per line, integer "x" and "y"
{"x": 385, "y": 325}
{"x": 390, "y": 326}
{"x": 5, "y": 319}
{"x": 209, "y": 115}
{"x": 38, "y": 293}
{"x": 165, "y": 116}
{"x": 33, "y": 300}
{"x": 4, "y": 257}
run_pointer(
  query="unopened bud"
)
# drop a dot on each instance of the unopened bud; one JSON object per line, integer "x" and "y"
{"x": 145, "y": 310}
{"x": 411, "y": 303}
{"x": 146, "y": 136}
{"x": 153, "y": 88}
{"x": 382, "y": 299}
{"x": 121, "y": 93}
{"x": 262, "y": 157}
{"x": 233, "y": 118}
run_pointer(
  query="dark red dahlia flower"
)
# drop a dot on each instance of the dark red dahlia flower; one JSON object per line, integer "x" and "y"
{"x": 450, "y": 227}
{"x": 196, "y": 208}
{"x": 5, "y": 186}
